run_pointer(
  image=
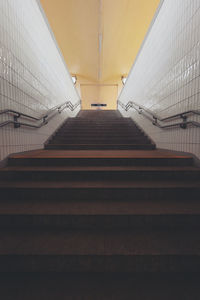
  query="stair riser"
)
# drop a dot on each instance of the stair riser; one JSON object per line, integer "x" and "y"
{"x": 150, "y": 222}
{"x": 99, "y": 124}
{"x": 100, "y": 120}
{"x": 98, "y": 175}
{"x": 104, "y": 131}
{"x": 98, "y": 263}
{"x": 99, "y": 193}
{"x": 103, "y": 128}
{"x": 98, "y": 141}
{"x": 99, "y": 135}
{"x": 100, "y": 138}
{"x": 113, "y": 127}
{"x": 93, "y": 127}
{"x": 99, "y": 286}
{"x": 93, "y": 131}
{"x": 99, "y": 147}
{"x": 95, "y": 207}
{"x": 94, "y": 134}
{"x": 100, "y": 162}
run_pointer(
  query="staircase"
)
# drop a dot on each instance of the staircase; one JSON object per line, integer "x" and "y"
{"x": 100, "y": 213}
{"x": 99, "y": 130}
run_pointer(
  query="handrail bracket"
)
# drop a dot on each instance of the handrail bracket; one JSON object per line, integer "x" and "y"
{"x": 184, "y": 124}
{"x": 16, "y": 123}
{"x": 155, "y": 121}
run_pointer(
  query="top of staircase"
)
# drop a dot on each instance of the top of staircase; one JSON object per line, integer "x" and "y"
{"x": 93, "y": 114}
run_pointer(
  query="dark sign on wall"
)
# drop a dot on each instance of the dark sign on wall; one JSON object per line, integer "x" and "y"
{"x": 98, "y": 104}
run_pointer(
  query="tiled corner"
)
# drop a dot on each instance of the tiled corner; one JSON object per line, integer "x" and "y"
{"x": 33, "y": 76}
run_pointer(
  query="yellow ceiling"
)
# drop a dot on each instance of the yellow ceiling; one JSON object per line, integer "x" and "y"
{"x": 80, "y": 26}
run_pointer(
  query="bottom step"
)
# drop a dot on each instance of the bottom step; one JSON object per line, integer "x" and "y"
{"x": 100, "y": 263}
{"x": 99, "y": 286}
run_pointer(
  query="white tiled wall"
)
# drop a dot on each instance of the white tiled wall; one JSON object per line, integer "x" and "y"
{"x": 33, "y": 76}
{"x": 166, "y": 75}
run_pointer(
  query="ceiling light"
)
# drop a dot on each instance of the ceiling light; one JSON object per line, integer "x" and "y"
{"x": 74, "y": 79}
{"x": 123, "y": 78}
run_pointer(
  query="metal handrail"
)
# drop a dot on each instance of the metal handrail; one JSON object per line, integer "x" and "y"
{"x": 44, "y": 118}
{"x": 155, "y": 118}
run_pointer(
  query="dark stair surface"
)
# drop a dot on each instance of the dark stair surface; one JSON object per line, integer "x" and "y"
{"x": 99, "y": 130}
{"x": 82, "y": 221}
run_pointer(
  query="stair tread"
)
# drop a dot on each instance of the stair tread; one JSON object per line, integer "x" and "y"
{"x": 100, "y": 168}
{"x": 140, "y": 154}
{"x": 99, "y": 145}
{"x": 99, "y": 210}
{"x": 77, "y": 211}
{"x": 92, "y": 146}
{"x": 100, "y": 242}
{"x": 103, "y": 207}
{"x": 116, "y": 184}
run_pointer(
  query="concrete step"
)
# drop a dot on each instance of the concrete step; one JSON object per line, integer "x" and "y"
{"x": 97, "y": 122}
{"x": 79, "y": 122}
{"x": 100, "y": 120}
{"x": 100, "y": 251}
{"x": 98, "y": 140}
{"x": 103, "y": 158}
{"x": 122, "y": 173}
{"x": 100, "y": 190}
{"x": 100, "y": 146}
{"x": 99, "y": 128}
{"x": 98, "y": 286}
{"x": 110, "y": 242}
{"x": 122, "y": 122}
{"x": 114, "y": 133}
{"x": 102, "y": 137}
{"x": 31, "y": 219}
{"x": 102, "y": 206}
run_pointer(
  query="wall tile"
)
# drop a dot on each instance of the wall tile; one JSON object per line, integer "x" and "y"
{"x": 33, "y": 76}
{"x": 166, "y": 75}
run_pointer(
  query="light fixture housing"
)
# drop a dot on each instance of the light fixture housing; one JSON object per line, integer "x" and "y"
{"x": 123, "y": 78}
{"x": 74, "y": 79}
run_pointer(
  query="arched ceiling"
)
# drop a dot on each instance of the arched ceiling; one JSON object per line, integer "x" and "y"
{"x": 99, "y": 39}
